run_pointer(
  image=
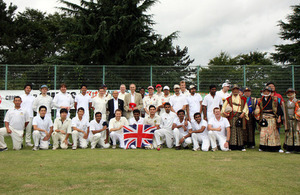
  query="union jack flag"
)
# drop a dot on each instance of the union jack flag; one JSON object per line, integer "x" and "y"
{"x": 138, "y": 135}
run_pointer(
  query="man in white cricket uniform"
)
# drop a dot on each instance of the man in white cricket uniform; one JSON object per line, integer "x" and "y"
{"x": 63, "y": 100}
{"x": 149, "y": 100}
{"x": 43, "y": 100}
{"x": 211, "y": 101}
{"x": 181, "y": 129}
{"x": 178, "y": 101}
{"x": 100, "y": 133}
{"x": 16, "y": 119}
{"x": 85, "y": 101}
{"x": 216, "y": 131}
{"x": 136, "y": 119}
{"x": 27, "y": 103}
{"x": 81, "y": 130}
{"x": 223, "y": 93}
{"x": 62, "y": 129}
{"x": 42, "y": 130}
{"x": 154, "y": 120}
{"x": 199, "y": 133}
{"x": 165, "y": 132}
{"x": 194, "y": 103}
{"x": 163, "y": 99}
{"x": 116, "y": 128}
{"x": 159, "y": 92}
{"x": 99, "y": 103}
{"x": 122, "y": 92}
{"x": 183, "y": 89}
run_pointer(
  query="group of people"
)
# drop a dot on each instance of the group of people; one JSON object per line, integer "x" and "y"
{"x": 220, "y": 120}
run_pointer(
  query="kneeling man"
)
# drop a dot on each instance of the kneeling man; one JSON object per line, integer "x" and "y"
{"x": 181, "y": 129}
{"x": 42, "y": 129}
{"x": 199, "y": 133}
{"x": 99, "y": 129}
{"x": 116, "y": 128}
{"x": 81, "y": 130}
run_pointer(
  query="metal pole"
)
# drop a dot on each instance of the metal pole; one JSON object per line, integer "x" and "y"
{"x": 198, "y": 78}
{"x": 103, "y": 74}
{"x": 55, "y": 72}
{"x": 245, "y": 80}
{"x": 150, "y": 75}
{"x": 293, "y": 76}
{"x": 6, "y": 75}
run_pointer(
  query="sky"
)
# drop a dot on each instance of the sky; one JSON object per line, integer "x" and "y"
{"x": 208, "y": 27}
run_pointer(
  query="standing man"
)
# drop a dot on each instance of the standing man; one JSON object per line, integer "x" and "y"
{"x": 181, "y": 130}
{"x": 136, "y": 119}
{"x": 132, "y": 101}
{"x": 236, "y": 117}
{"x": 223, "y": 93}
{"x": 274, "y": 93}
{"x": 199, "y": 133}
{"x": 159, "y": 92}
{"x": 123, "y": 92}
{"x": 116, "y": 129}
{"x": 210, "y": 102}
{"x": 142, "y": 92}
{"x": 81, "y": 130}
{"x": 107, "y": 94}
{"x": 43, "y": 100}
{"x": 62, "y": 129}
{"x": 178, "y": 101}
{"x": 150, "y": 100}
{"x": 165, "y": 98}
{"x": 42, "y": 130}
{"x": 27, "y": 104}
{"x": 100, "y": 133}
{"x": 16, "y": 120}
{"x": 292, "y": 122}
{"x": 165, "y": 128}
{"x": 63, "y": 100}
{"x": 85, "y": 101}
{"x": 183, "y": 89}
{"x": 194, "y": 103}
{"x": 99, "y": 103}
{"x": 268, "y": 111}
{"x": 153, "y": 120}
{"x": 114, "y": 104}
{"x": 249, "y": 134}
{"x": 216, "y": 131}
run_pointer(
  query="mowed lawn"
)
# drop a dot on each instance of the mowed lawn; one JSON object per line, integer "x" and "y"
{"x": 148, "y": 172}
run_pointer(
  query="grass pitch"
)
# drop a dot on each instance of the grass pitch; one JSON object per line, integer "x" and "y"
{"x": 140, "y": 171}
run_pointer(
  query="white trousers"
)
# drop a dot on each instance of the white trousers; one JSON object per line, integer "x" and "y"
{"x": 38, "y": 140}
{"x": 178, "y": 136}
{"x": 198, "y": 138}
{"x": 59, "y": 137}
{"x": 214, "y": 136}
{"x": 79, "y": 136}
{"x": 99, "y": 138}
{"x": 28, "y": 130}
{"x": 16, "y": 136}
{"x": 164, "y": 134}
{"x": 116, "y": 136}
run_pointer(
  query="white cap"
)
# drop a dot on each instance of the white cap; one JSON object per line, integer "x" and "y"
{"x": 166, "y": 87}
{"x": 176, "y": 86}
{"x": 225, "y": 85}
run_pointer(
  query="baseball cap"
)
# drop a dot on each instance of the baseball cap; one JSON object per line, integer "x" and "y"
{"x": 225, "y": 85}
{"x": 176, "y": 86}
{"x": 192, "y": 86}
{"x": 158, "y": 85}
{"x": 150, "y": 87}
{"x": 166, "y": 87}
{"x": 44, "y": 86}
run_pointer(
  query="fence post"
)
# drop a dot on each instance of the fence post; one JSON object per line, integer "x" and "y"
{"x": 198, "y": 79}
{"x": 293, "y": 76}
{"x": 6, "y": 79}
{"x": 103, "y": 74}
{"x": 245, "y": 80}
{"x": 55, "y": 73}
{"x": 150, "y": 75}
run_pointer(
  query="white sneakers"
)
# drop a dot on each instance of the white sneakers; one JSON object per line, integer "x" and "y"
{"x": 35, "y": 148}
{"x": 280, "y": 151}
{"x": 29, "y": 144}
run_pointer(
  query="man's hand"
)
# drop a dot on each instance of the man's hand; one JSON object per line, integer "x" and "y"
{"x": 226, "y": 145}
{"x": 120, "y": 127}
{"x": 242, "y": 115}
{"x": 57, "y": 130}
{"x": 62, "y": 131}
{"x": 279, "y": 120}
{"x": 46, "y": 138}
{"x": 85, "y": 135}
{"x": 8, "y": 131}
{"x": 186, "y": 122}
{"x": 184, "y": 127}
{"x": 66, "y": 141}
{"x": 219, "y": 128}
{"x": 181, "y": 140}
{"x": 190, "y": 131}
{"x": 226, "y": 114}
{"x": 205, "y": 118}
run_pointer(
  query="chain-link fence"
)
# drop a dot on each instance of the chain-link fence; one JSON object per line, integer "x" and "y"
{"x": 14, "y": 77}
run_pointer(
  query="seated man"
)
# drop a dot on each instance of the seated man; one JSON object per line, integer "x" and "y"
{"x": 116, "y": 128}
{"x": 16, "y": 120}
{"x": 153, "y": 120}
{"x": 42, "y": 130}
{"x": 99, "y": 129}
{"x": 216, "y": 131}
{"x": 62, "y": 130}
{"x": 199, "y": 133}
{"x": 181, "y": 129}
{"x": 165, "y": 131}
{"x": 81, "y": 130}
{"x": 136, "y": 119}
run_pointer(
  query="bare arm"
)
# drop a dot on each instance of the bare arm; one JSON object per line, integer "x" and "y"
{"x": 209, "y": 127}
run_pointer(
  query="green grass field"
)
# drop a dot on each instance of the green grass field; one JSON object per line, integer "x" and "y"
{"x": 148, "y": 172}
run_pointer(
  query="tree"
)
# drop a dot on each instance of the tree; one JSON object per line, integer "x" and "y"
{"x": 290, "y": 30}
